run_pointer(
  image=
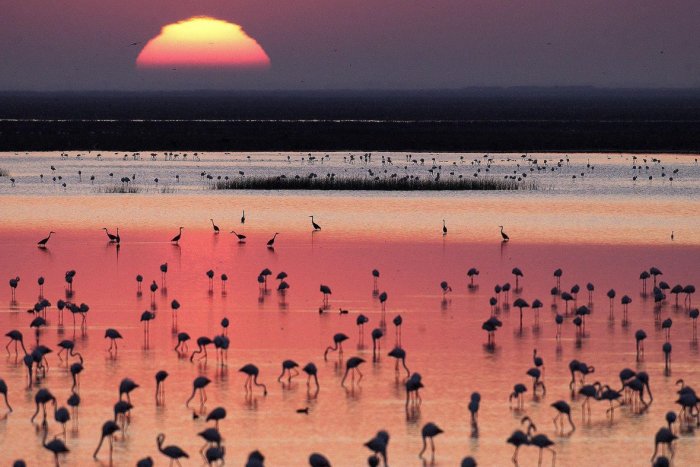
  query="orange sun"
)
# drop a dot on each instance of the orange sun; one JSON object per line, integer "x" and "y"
{"x": 203, "y": 42}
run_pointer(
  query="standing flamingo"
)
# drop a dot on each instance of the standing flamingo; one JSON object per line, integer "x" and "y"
{"x": 352, "y": 365}
{"x": 42, "y": 243}
{"x": 429, "y": 430}
{"x": 252, "y": 373}
{"x": 176, "y": 238}
{"x": 174, "y": 453}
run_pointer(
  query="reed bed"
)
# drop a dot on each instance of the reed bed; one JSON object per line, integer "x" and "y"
{"x": 116, "y": 189}
{"x": 4, "y": 172}
{"x": 282, "y": 182}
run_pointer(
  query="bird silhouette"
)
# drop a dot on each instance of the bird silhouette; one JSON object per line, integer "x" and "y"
{"x": 176, "y": 238}
{"x": 108, "y": 429}
{"x": 352, "y": 365}
{"x": 199, "y": 384}
{"x": 252, "y": 373}
{"x": 214, "y": 226}
{"x": 241, "y": 237}
{"x": 42, "y": 243}
{"x": 338, "y": 340}
{"x": 314, "y": 224}
{"x": 174, "y": 453}
{"x": 429, "y": 430}
{"x": 271, "y": 242}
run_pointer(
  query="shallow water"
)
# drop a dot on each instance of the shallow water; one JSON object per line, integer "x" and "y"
{"x": 602, "y": 236}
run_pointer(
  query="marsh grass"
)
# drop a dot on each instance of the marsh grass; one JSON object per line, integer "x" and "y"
{"x": 114, "y": 189}
{"x": 371, "y": 184}
{"x": 4, "y": 172}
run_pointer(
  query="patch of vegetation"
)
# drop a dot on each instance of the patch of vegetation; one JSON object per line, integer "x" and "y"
{"x": 310, "y": 182}
{"x": 123, "y": 188}
{"x": 4, "y": 172}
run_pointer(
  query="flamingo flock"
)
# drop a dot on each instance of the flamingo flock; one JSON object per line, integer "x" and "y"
{"x": 631, "y": 394}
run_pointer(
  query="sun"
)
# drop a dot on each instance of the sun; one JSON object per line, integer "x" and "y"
{"x": 203, "y": 42}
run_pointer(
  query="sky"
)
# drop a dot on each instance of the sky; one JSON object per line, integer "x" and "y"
{"x": 359, "y": 44}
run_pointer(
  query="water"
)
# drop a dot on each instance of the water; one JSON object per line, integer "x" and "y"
{"x": 603, "y": 229}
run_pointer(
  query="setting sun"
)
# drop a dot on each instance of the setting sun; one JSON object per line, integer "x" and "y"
{"x": 202, "y": 42}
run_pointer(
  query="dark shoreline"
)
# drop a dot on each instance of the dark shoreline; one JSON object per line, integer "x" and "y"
{"x": 476, "y": 120}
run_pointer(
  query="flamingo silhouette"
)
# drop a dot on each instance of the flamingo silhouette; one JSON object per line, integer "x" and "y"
{"x": 290, "y": 368}
{"x": 199, "y": 384}
{"x": 429, "y": 430}
{"x": 352, "y": 365}
{"x": 174, "y": 453}
{"x": 400, "y": 355}
{"x": 42, "y": 243}
{"x": 503, "y": 235}
{"x": 56, "y": 446}
{"x": 214, "y": 226}
{"x": 252, "y": 373}
{"x": 176, "y": 238}
{"x": 108, "y": 429}
{"x": 311, "y": 370}
{"x": 338, "y": 340}
{"x": 271, "y": 242}
{"x": 241, "y": 237}
{"x": 314, "y": 225}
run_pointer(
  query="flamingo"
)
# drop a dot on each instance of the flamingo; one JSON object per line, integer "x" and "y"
{"x": 318, "y": 460}
{"x": 562, "y": 408}
{"x": 14, "y": 282}
{"x": 56, "y": 446}
{"x": 16, "y": 337}
{"x": 214, "y": 226}
{"x": 41, "y": 398}
{"x": 518, "y": 438}
{"x": 503, "y": 235}
{"x": 112, "y": 238}
{"x": 471, "y": 273}
{"x": 161, "y": 376}
{"x": 400, "y": 355}
{"x": 314, "y": 225}
{"x": 216, "y": 415}
{"x": 108, "y": 429}
{"x": 379, "y": 445}
{"x": 271, "y": 242}
{"x": 311, "y": 370}
{"x": 199, "y": 384}
{"x": 252, "y": 373}
{"x": 126, "y": 386}
{"x": 288, "y": 366}
{"x": 429, "y": 430}
{"x": 176, "y": 238}
{"x": 243, "y": 217}
{"x": 375, "y": 278}
{"x": 42, "y": 243}
{"x": 3, "y": 391}
{"x": 174, "y": 453}
{"x": 517, "y": 273}
{"x": 326, "y": 291}
{"x": 352, "y": 365}
{"x": 112, "y": 335}
{"x": 663, "y": 436}
{"x": 444, "y": 228}
{"x": 338, "y": 340}
{"x": 182, "y": 338}
{"x": 377, "y": 335}
{"x": 241, "y": 237}
{"x": 202, "y": 343}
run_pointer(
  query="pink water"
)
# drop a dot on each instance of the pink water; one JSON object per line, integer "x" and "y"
{"x": 442, "y": 337}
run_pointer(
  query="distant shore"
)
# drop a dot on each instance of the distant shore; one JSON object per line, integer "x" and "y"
{"x": 468, "y": 121}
